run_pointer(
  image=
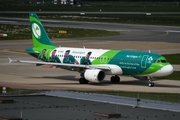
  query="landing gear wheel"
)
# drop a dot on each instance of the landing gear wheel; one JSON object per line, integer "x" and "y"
{"x": 83, "y": 81}
{"x": 151, "y": 84}
{"x": 115, "y": 79}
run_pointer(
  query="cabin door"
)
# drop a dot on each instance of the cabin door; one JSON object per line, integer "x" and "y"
{"x": 144, "y": 61}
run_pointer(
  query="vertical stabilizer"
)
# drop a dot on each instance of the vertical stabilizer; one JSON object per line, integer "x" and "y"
{"x": 39, "y": 35}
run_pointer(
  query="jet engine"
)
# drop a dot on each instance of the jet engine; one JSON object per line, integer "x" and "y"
{"x": 94, "y": 75}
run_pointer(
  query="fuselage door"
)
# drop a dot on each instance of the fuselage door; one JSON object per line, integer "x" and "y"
{"x": 144, "y": 61}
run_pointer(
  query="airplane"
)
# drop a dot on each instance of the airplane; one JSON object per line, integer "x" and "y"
{"x": 94, "y": 64}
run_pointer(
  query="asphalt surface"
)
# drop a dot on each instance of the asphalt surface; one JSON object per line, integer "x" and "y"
{"x": 27, "y": 76}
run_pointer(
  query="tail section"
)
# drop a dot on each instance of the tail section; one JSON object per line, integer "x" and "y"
{"x": 41, "y": 41}
{"x": 39, "y": 35}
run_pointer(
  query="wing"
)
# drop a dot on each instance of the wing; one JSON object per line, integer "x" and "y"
{"x": 72, "y": 66}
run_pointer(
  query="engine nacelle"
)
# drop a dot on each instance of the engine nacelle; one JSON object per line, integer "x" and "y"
{"x": 114, "y": 70}
{"x": 94, "y": 75}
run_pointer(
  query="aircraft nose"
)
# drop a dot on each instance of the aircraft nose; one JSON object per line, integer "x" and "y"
{"x": 166, "y": 70}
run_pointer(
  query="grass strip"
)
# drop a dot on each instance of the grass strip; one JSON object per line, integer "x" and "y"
{"x": 19, "y": 32}
{"x": 173, "y": 58}
{"x": 11, "y": 91}
{"x": 174, "y": 76}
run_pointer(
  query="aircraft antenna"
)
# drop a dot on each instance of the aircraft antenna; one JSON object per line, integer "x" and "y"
{"x": 84, "y": 47}
{"x": 149, "y": 51}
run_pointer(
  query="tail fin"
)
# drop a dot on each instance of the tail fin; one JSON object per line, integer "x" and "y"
{"x": 39, "y": 35}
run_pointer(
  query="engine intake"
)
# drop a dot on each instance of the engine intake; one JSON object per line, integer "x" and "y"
{"x": 94, "y": 75}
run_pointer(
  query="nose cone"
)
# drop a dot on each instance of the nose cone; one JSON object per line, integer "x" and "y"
{"x": 166, "y": 70}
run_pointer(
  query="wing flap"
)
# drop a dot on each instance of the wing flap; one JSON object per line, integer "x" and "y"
{"x": 62, "y": 64}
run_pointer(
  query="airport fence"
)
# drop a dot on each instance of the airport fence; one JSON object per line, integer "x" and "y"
{"x": 169, "y": 98}
{"x": 156, "y": 97}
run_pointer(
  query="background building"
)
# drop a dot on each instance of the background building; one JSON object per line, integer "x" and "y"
{"x": 64, "y": 2}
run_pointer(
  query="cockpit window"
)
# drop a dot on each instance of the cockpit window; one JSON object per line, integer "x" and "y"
{"x": 160, "y": 61}
{"x": 163, "y": 61}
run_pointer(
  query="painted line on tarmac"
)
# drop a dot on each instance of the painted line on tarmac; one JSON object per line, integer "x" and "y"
{"x": 173, "y": 31}
{"x": 6, "y": 50}
{"x": 14, "y": 74}
{"x": 164, "y": 34}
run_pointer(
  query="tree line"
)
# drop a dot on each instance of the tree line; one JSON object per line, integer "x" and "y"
{"x": 15, "y": 1}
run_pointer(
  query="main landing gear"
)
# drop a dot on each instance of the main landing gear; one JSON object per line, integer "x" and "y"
{"x": 115, "y": 79}
{"x": 82, "y": 80}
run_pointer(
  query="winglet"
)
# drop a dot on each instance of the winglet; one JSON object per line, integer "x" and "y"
{"x": 11, "y": 60}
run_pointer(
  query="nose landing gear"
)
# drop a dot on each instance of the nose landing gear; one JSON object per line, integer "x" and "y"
{"x": 150, "y": 84}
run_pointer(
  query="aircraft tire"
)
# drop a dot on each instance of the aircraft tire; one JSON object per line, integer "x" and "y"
{"x": 115, "y": 79}
{"x": 112, "y": 79}
{"x": 151, "y": 84}
{"x": 83, "y": 81}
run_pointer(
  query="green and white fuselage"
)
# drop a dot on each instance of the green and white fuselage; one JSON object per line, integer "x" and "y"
{"x": 130, "y": 62}
{"x": 94, "y": 64}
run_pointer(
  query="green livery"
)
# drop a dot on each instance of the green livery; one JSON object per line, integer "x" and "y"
{"x": 94, "y": 64}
